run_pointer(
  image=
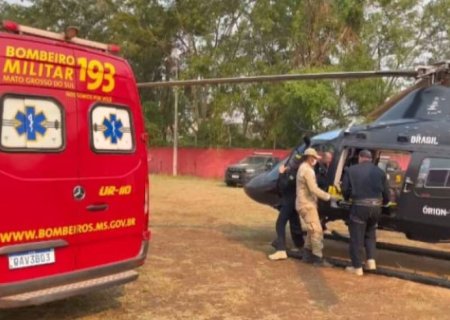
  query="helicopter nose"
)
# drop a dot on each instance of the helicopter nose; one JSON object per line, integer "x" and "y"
{"x": 251, "y": 188}
{"x": 262, "y": 189}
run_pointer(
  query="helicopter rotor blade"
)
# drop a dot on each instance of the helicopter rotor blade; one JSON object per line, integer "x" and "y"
{"x": 394, "y": 99}
{"x": 282, "y": 77}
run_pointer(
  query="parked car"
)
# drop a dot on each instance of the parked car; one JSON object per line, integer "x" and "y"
{"x": 248, "y": 168}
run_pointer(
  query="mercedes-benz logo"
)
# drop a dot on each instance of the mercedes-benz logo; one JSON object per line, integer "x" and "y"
{"x": 79, "y": 193}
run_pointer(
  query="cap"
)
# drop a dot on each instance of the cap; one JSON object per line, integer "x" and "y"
{"x": 365, "y": 154}
{"x": 313, "y": 153}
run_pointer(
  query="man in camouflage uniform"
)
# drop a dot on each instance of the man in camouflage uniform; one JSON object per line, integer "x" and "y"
{"x": 308, "y": 193}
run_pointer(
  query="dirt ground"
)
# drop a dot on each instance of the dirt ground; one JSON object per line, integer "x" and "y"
{"x": 208, "y": 260}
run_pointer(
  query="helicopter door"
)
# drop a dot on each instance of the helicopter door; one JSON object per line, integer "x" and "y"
{"x": 426, "y": 191}
{"x": 395, "y": 164}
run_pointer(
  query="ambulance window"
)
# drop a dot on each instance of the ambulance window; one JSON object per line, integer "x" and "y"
{"x": 31, "y": 124}
{"x": 111, "y": 129}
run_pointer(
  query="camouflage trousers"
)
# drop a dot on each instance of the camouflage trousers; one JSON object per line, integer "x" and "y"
{"x": 314, "y": 231}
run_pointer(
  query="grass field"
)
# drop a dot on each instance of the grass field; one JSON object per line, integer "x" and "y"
{"x": 208, "y": 260}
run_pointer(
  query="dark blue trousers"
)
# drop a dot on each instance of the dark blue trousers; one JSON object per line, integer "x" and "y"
{"x": 288, "y": 213}
{"x": 362, "y": 228}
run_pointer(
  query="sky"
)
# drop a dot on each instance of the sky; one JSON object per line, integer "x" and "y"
{"x": 21, "y": 2}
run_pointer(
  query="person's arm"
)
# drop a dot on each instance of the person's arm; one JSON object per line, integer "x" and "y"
{"x": 346, "y": 186}
{"x": 311, "y": 182}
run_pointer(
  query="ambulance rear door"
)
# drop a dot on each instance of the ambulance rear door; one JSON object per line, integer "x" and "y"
{"x": 38, "y": 159}
{"x": 113, "y": 166}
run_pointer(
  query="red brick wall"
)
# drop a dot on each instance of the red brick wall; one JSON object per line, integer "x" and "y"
{"x": 206, "y": 163}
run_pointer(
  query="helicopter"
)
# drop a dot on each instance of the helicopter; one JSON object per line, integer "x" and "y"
{"x": 409, "y": 138}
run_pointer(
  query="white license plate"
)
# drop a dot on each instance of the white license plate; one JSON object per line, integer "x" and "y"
{"x": 31, "y": 258}
{"x": 235, "y": 176}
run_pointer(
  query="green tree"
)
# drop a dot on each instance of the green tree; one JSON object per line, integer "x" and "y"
{"x": 245, "y": 37}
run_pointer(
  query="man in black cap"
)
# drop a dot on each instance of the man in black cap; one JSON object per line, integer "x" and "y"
{"x": 366, "y": 185}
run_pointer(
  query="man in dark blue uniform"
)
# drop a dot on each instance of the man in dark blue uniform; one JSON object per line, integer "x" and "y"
{"x": 321, "y": 170}
{"x": 366, "y": 185}
{"x": 287, "y": 188}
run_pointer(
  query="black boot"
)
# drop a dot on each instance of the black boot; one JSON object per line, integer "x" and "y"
{"x": 307, "y": 256}
{"x": 321, "y": 262}
{"x": 296, "y": 253}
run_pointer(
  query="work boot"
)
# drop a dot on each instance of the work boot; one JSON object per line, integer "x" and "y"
{"x": 320, "y": 262}
{"x": 370, "y": 265}
{"x": 355, "y": 271}
{"x": 307, "y": 256}
{"x": 278, "y": 255}
{"x": 295, "y": 253}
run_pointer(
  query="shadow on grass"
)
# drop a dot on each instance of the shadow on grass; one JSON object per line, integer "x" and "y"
{"x": 70, "y": 308}
{"x": 321, "y": 295}
{"x": 257, "y": 238}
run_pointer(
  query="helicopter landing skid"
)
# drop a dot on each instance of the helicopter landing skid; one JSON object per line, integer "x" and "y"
{"x": 410, "y": 276}
{"x": 397, "y": 248}
{"x": 388, "y": 272}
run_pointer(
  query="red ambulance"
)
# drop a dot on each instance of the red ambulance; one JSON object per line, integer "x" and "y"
{"x": 73, "y": 167}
